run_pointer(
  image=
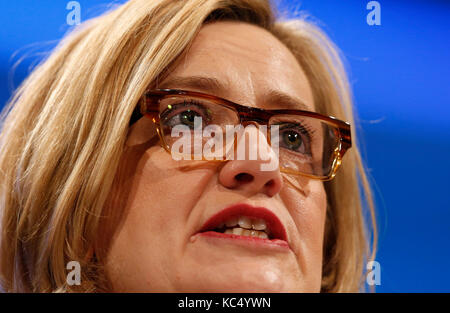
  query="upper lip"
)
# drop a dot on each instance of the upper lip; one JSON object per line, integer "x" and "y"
{"x": 273, "y": 223}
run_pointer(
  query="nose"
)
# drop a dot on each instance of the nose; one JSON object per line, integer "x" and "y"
{"x": 260, "y": 174}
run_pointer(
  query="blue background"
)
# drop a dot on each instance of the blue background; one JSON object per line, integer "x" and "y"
{"x": 400, "y": 74}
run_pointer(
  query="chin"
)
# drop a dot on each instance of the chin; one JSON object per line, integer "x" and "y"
{"x": 241, "y": 284}
{"x": 248, "y": 288}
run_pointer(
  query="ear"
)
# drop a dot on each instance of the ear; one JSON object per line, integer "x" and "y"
{"x": 141, "y": 131}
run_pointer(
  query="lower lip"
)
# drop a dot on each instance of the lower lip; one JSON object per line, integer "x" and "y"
{"x": 252, "y": 241}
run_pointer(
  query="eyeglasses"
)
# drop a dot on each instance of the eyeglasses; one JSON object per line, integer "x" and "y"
{"x": 310, "y": 144}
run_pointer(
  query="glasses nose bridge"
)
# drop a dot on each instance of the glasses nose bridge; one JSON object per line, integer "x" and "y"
{"x": 248, "y": 122}
{"x": 253, "y": 116}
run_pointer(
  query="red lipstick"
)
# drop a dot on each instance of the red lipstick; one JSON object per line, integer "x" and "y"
{"x": 275, "y": 227}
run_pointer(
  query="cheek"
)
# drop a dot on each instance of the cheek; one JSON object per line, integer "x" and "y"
{"x": 307, "y": 203}
{"x": 311, "y": 217}
{"x": 148, "y": 244}
{"x": 308, "y": 211}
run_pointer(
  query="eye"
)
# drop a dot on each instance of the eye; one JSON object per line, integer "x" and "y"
{"x": 292, "y": 139}
{"x": 186, "y": 118}
{"x": 184, "y": 113}
{"x": 295, "y": 138}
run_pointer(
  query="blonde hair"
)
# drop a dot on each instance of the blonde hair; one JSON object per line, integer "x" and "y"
{"x": 64, "y": 131}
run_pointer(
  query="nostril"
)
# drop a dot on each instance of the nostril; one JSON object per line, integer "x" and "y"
{"x": 247, "y": 176}
{"x": 244, "y": 178}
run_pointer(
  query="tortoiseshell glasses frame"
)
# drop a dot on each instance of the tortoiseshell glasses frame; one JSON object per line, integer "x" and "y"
{"x": 149, "y": 106}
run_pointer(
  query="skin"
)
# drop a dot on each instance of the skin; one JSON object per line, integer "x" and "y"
{"x": 154, "y": 247}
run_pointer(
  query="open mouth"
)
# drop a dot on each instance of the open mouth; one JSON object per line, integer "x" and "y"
{"x": 244, "y": 221}
{"x": 245, "y": 226}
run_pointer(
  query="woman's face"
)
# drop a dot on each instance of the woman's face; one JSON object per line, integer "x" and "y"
{"x": 157, "y": 244}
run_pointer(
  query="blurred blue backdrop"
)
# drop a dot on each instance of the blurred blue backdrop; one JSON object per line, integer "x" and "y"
{"x": 400, "y": 74}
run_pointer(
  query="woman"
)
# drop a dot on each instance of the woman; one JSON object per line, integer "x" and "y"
{"x": 90, "y": 173}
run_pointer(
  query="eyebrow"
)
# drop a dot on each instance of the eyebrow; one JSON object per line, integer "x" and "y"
{"x": 206, "y": 84}
{"x": 285, "y": 101}
{"x": 211, "y": 85}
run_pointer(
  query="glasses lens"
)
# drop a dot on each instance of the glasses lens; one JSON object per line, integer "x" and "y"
{"x": 306, "y": 145}
{"x": 196, "y": 127}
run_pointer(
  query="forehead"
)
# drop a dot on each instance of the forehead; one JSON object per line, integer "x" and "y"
{"x": 250, "y": 64}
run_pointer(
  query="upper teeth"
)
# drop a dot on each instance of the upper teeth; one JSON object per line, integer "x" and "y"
{"x": 245, "y": 232}
{"x": 247, "y": 222}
